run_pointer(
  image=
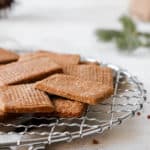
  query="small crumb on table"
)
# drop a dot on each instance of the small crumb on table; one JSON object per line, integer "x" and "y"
{"x": 138, "y": 113}
{"x": 148, "y": 116}
{"x": 95, "y": 141}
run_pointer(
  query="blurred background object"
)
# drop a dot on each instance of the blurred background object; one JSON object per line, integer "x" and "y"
{"x": 4, "y": 4}
{"x": 141, "y": 9}
{"x": 70, "y": 23}
{"x": 128, "y": 38}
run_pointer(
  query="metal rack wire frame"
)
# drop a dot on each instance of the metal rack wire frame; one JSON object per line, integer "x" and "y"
{"x": 85, "y": 129}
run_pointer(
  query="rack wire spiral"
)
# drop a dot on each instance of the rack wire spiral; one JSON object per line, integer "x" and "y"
{"x": 34, "y": 132}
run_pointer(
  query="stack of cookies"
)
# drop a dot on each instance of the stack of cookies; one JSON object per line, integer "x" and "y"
{"x": 48, "y": 83}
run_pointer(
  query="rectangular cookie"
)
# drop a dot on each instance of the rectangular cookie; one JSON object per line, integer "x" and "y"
{"x": 67, "y": 108}
{"x": 28, "y": 71}
{"x": 61, "y": 59}
{"x": 24, "y": 98}
{"x": 96, "y": 73}
{"x": 7, "y": 56}
{"x": 74, "y": 88}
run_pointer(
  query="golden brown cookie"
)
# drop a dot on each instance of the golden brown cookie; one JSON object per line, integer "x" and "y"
{"x": 68, "y": 108}
{"x": 61, "y": 59}
{"x": 65, "y": 108}
{"x": 24, "y": 98}
{"x": 27, "y": 71}
{"x": 96, "y": 73}
{"x": 7, "y": 56}
{"x": 74, "y": 88}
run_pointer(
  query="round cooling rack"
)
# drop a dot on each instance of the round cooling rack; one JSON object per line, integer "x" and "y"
{"x": 128, "y": 98}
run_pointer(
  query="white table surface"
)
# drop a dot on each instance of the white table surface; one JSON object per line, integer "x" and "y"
{"x": 68, "y": 26}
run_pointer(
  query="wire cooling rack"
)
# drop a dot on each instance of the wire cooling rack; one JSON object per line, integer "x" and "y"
{"x": 34, "y": 132}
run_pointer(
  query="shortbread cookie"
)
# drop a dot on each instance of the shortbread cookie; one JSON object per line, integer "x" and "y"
{"x": 27, "y": 71}
{"x": 61, "y": 59}
{"x": 7, "y": 56}
{"x": 24, "y": 98}
{"x": 68, "y": 108}
{"x": 65, "y": 108}
{"x": 75, "y": 88}
{"x": 103, "y": 75}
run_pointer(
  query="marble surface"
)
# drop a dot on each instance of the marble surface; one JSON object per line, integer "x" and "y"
{"x": 69, "y": 26}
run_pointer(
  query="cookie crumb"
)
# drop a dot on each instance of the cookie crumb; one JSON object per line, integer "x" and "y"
{"x": 138, "y": 113}
{"x": 148, "y": 116}
{"x": 95, "y": 141}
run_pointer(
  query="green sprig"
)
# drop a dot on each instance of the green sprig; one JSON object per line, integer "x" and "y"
{"x": 126, "y": 39}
